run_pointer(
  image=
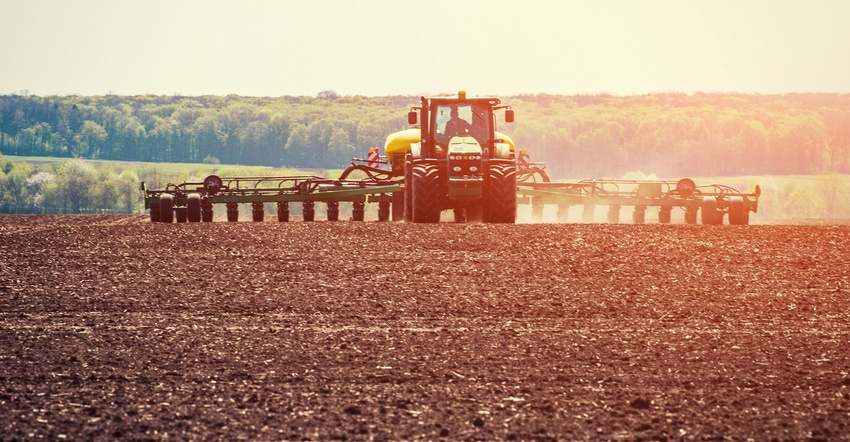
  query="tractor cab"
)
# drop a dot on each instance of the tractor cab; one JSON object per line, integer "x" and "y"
{"x": 441, "y": 118}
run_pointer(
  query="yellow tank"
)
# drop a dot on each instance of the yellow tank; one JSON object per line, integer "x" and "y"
{"x": 506, "y": 139}
{"x": 398, "y": 143}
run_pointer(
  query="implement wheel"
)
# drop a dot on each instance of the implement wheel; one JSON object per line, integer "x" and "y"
{"x": 206, "y": 211}
{"x": 426, "y": 193}
{"x": 665, "y": 215}
{"x": 193, "y": 207}
{"x": 257, "y": 212}
{"x": 283, "y": 211}
{"x": 232, "y": 212}
{"x": 358, "y": 211}
{"x": 710, "y": 214}
{"x": 588, "y": 213}
{"x": 738, "y": 213}
{"x": 639, "y": 215}
{"x": 691, "y": 215}
{"x": 166, "y": 208}
{"x": 308, "y": 210}
{"x": 614, "y": 214}
{"x": 180, "y": 213}
{"x": 155, "y": 213}
{"x": 500, "y": 194}
{"x": 383, "y": 211}
{"x": 459, "y": 215}
{"x": 333, "y": 210}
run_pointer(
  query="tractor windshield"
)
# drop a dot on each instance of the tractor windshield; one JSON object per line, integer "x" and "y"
{"x": 462, "y": 120}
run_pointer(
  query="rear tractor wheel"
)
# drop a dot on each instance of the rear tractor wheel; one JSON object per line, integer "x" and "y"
{"x": 426, "y": 193}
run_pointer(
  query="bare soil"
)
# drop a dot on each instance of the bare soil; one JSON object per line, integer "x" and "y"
{"x": 113, "y": 327}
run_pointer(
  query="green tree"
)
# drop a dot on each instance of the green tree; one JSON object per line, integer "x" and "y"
{"x": 833, "y": 190}
{"x": 90, "y": 140}
{"x": 75, "y": 181}
{"x": 14, "y": 197}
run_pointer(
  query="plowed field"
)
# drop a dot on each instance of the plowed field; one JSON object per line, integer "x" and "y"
{"x": 114, "y": 327}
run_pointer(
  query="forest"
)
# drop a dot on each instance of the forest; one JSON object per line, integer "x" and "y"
{"x": 583, "y": 136}
{"x": 668, "y": 135}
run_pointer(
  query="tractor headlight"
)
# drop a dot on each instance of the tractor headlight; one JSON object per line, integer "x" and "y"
{"x": 473, "y": 169}
{"x": 456, "y": 168}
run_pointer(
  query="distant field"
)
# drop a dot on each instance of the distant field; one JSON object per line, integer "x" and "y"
{"x": 230, "y": 169}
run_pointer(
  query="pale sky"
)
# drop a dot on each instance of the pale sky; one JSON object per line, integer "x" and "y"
{"x": 396, "y": 47}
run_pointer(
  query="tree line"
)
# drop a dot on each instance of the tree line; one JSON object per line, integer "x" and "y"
{"x": 583, "y": 136}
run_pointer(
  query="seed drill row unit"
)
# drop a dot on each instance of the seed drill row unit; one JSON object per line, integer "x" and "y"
{"x": 193, "y": 201}
{"x": 451, "y": 159}
{"x": 711, "y": 201}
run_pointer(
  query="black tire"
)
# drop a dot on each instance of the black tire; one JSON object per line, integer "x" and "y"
{"x": 738, "y": 213}
{"x": 193, "y": 207}
{"x": 639, "y": 215}
{"x": 333, "y": 211}
{"x": 308, "y": 211}
{"x": 500, "y": 194}
{"x": 206, "y": 211}
{"x": 691, "y": 215}
{"x": 459, "y": 215}
{"x": 155, "y": 213}
{"x": 536, "y": 210}
{"x": 383, "y": 211}
{"x": 474, "y": 214}
{"x": 258, "y": 212}
{"x": 283, "y": 211}
{"x": 426, "y": 193}
{"x": 180, "y": 214}
{"x": 614, "y": 214}
{"x": 232, "y": 212}
{"x": 665, "y": 215}
{"x": 166, "y": 208}
{"x": 358, "y": 211}
{"x": 588, "y": 213}
{"x": 563, "y": 213}
{"x": 710, "y": 214}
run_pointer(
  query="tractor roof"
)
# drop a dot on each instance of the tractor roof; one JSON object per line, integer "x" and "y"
{"x": 462, "y": 98}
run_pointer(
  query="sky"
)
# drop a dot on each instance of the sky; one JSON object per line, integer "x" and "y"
{"x": 397, "y": 47}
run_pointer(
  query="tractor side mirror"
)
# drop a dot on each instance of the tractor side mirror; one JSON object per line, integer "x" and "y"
{"x": 509, "y": 116}
{"x": 411, "y": 117}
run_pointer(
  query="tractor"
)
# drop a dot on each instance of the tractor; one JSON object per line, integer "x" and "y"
{"x": 454, "y": 159}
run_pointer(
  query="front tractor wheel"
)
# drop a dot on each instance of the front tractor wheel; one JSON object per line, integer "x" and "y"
{"x": 426, "y": 193}
{"x": 500, "y": 194}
